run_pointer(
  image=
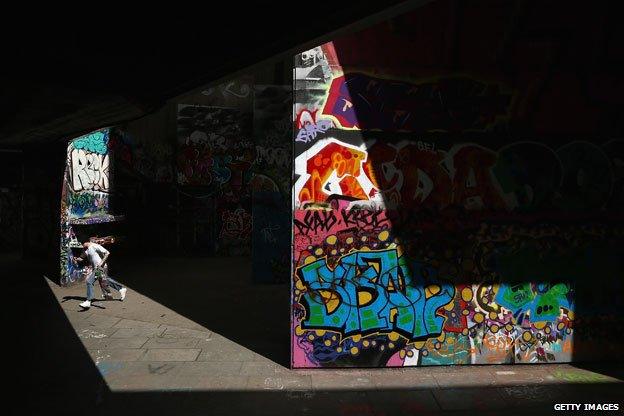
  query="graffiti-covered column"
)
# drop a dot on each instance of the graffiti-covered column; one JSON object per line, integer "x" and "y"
{"x": 85, "y": 198}
{"x": 357, "y": 300}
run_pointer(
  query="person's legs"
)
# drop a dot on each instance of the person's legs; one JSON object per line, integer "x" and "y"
{"x": 114, "y": 283}
{"x": 90, "y": 280}
{"x": 102, "y": 275}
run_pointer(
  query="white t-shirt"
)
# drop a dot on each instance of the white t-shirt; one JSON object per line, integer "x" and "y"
{"x": 94, "y": 251}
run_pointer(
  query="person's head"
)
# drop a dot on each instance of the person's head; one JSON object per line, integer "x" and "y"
{"x": 86, "y": 244}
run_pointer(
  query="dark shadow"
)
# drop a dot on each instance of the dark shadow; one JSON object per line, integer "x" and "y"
{"x": 66, "y": 298}
{"x": 512, "y": 401}
{"x": 216, "y": 293}
{"x": 50, "y": 368}
{"x": 94, "y": 303}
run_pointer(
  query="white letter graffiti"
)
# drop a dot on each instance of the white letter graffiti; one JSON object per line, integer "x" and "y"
{"x": 89, "y": 171}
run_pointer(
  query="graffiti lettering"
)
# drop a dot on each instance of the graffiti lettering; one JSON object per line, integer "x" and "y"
{"x": 89, "y": 171}
{"x": 373, "y": 291}
{"x": 364, "y": 218}
{"x": 316, "y": 220}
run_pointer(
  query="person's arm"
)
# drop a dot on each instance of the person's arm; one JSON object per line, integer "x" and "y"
{"x": 106, "y": 254}
{"x": 80, "y": 258}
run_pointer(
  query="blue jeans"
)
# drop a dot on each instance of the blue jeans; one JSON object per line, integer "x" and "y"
{"x": 105, "y": 282}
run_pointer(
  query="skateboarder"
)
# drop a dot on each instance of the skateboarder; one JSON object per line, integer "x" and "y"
{"x": 99, "y": 271}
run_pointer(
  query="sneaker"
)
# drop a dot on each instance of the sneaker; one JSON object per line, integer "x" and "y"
{"x": 107, "y": 296}
{"x": 86, "y": 304}
{"x": 122, "y": 292}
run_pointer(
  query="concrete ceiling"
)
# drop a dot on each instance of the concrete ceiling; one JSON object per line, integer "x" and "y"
{"x": 65, "y": 74}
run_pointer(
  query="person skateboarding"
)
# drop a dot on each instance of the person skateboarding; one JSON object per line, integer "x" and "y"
{"x": 93, "y": 252}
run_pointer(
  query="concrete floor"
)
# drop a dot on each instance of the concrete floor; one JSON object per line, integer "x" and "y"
{"x": 194, "y": 337}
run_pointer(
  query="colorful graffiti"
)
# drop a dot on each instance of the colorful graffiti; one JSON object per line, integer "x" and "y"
{"x": 332, "y": 168}
{"x": 309, "y": 127}
{"x": 521, "y": 176}
{"x": 372, "y": 291}
{"x": 448, "y": 246}
{"x": 89, "y": 163}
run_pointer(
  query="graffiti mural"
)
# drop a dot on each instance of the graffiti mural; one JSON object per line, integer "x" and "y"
{"x": 420, "y": 237}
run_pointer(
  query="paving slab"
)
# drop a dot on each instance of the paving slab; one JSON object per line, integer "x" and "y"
{"x": 208, "y": 383}
{"x": 329, "y": 381}
{"x": 137, "y": 332}
{"x": 412, "y": 380}
{"x": 464, "y": 378}
{"x": 118, "y": 354}
{"x": 170, "y": 342}
{"x": 73, "y": 316}
{"x": 219, "y": 348}
{"x": 97, "y": 320}
{"x": 212, "y": 369}
{"x": 110, "y": 343}
{"x": 132, "y": 323}
{"x": 145, "y": 369}
{"x": 175, "y": 331}
{"x": 95, "y": 332}
{"x": 279, "y": 382}
{"x": 518, "y": 377}
{"x": 256, "y": 368}
{"x": 171, "y": 354}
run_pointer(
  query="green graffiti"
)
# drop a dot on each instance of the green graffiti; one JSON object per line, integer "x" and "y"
{"x": 96, "y": 142}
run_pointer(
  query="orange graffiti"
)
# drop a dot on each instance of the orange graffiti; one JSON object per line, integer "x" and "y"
{"x": 345, "y": 162}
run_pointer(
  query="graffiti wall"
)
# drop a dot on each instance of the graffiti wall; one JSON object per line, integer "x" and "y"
{"x": 214, "y": 158}
{"x": 271, "y": 183}
{"x": 429, "y": 229}
{"x": 85, "y": 197}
